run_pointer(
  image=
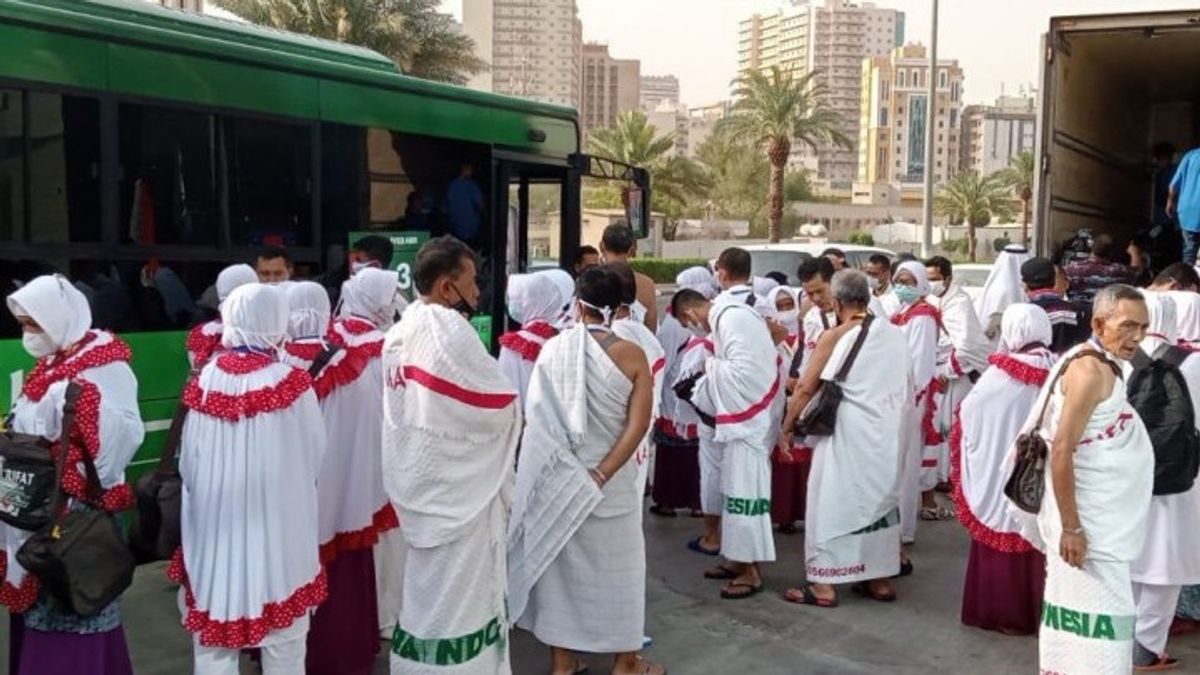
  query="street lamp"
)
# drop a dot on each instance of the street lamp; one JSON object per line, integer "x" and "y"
{"x": 930, "y": 148}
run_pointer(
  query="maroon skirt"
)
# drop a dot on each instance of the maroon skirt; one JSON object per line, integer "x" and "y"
{"x": 36, "y": 652}
{"x": 789, "y": 488}
{"x": 344, "y": 636}
{"x": 676, "y": 474}
{"x": 1003, "y": 591}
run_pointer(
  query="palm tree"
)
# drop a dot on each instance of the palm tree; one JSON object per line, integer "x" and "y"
{"x": 634, "y": 141}
{"x": 1019, "y": 177}
{"x": 974, "y": 201}
{"x": 421, "y": 40}
{"x": 775, "y": 109}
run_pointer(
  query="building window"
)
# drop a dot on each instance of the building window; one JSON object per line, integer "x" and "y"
{"x": 943, "y": 79}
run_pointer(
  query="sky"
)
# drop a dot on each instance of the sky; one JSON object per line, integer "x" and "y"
{"x": 995, "y": 41}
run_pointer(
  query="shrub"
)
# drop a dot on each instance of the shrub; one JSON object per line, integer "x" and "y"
{"x": 999, "y": 243}
{"x": 861, "y": 238}
{"x": 664, "y": 271}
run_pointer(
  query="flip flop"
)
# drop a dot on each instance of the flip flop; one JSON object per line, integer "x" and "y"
{"x": 754, "y": 590}
{"x": 946, "y": 513}
{"x": 648, "y": 668}
{"x": 863, "y": 588}
{"x": 581, "y": 668}
{"x": 721, "y": 573}
{"x": 906, "y": 570}
{"x": 695, "y": 545}
{"x": 1163, "y": 662}
{"x": 807, "y": 597}
{"x": 929, "y": 513}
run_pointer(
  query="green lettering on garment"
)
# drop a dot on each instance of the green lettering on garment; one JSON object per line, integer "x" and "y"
{"x": 745, "y": 506}
{"x": 892, "y": 519}
{"x": 1092, "y": 625}
{"x": 447, "y": 651}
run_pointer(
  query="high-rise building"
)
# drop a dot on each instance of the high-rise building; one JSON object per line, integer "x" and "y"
{"x": 670, "y": 117}
{"x": 534, "y": 47}
{"x": 832, "y": 38}
{"x": 991, "y": 135}
{"x": 610, "y": 87}
{"x": 659, "y": 88}
{"x": 895, "y": 107}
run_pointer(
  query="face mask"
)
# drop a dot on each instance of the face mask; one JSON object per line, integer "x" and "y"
{"x": 937, "y": 287}
{"x": 789, "y": 317}
{"x": 512, "y": 314}
{"x": 907, "y": 294}
{"x": 873, "y": 283}
{"x": 39, "y": 345}
{"x": 462, "y": 306}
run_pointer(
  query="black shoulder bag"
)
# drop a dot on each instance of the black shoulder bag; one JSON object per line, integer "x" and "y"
{"x": 79, "y": 557}
{"x": 819, "y": 416}
{"x": 1027, "y": 483}
{"x": 28, "y": 475}
{"x": 158, "y": 496}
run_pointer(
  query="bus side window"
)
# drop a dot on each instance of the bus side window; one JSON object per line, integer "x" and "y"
{"x": 269, "y": 165}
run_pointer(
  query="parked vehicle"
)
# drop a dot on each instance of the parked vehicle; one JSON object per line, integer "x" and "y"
{"x": 972, "y": 276}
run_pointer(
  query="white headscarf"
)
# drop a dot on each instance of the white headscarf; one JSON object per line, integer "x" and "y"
{"x": 308, "y": 310}
{"x": 771, "y": 303}
{"x": 1003, "y": 285}
{"x": 255, "y": 316}
{"x": 918, "y": 271}
{"x": 1024, "y": 324}
{"x": 533, "y": 297}
{"x": 232, "y": 277}
{"x": 59, "y": 308}
{"x": 564, "y": 283}
{"x": 764, "y": 285}
{"x": 1163, "y": 328}
{"x": 1187, "y": 316}
{"x": 698, "y": 279}
{"x": 373, "y": 294}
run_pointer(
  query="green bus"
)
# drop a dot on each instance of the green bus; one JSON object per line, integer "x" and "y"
{"x": 142, "y": 149}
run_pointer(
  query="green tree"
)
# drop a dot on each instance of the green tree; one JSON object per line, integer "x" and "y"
{"x": 739, "y": 176}
{"x": 674, "y": 180}
{"x": 974, "y": 201}
{"x": 775, "y": 109}
{"x": 797, "y": 187}
{"x": 422, "y": 41}
{"x": 1018, "y": 176}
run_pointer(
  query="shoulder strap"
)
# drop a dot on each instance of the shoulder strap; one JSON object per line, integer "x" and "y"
{"x": 858, "y": 343}
{"x": 1054, "y": 382}
{"x": 824, "y": 319}
{"x": 322, "y": 360}
{"x": 93, "y": 487}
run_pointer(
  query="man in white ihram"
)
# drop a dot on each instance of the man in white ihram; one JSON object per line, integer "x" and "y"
{"x": 451, "y": 426}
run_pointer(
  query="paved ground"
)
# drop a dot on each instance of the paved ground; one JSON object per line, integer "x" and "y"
{"x": 696, "y": 633}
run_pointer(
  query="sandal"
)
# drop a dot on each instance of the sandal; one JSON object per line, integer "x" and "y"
{"x": 906, "y": 569}
{"x": 648, "y": 667}
{"x": 721, "y": 573}
{"x": 662, "y": 511}
{"x": 727, "y": 594}
{"x": 946, "y": 513}
{"x": 863, "y": 588}
{"x": 1163, "y": 662}
{"x": 695, "y": 545}
{"x": 805, "y": 596}
{"x": 581, "y": 668}
{"x": 929, "y": 513}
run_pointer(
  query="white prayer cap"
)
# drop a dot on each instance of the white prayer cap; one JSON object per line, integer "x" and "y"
{"x": 698, "y": 279}
{"x": 254, "y": 315}
{"x": 532, "y": 297}
{"x": 1022, "y": 325}
{"x": 1163, "y": 327}
{"x": 308, "y": 310}
{"x": 232, "y": 277}
{"x": 917, "y": 270}
{"x": 373, "y": 294}
{"x": 1003, "y": 286}
{"x": 764, "y": 285}
{"x": 1187, "y": 315}
{"x": 563, "y": 282}
{"x": 59, "y": 308}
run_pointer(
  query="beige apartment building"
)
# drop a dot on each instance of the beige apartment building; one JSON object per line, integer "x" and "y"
{"x": 833, "y": 37}
{"x": 610, "y": 87}
{"x": 534, "y": 48}
{"x": 659, "y": 88}
{"x": 895, "y": 107}
{"x": 991, "y": 135}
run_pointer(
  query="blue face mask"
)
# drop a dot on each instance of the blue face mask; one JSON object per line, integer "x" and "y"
{"x": 907, "y": 294}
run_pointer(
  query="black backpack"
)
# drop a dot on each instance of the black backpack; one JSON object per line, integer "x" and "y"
{"x": 1159, "y": 393}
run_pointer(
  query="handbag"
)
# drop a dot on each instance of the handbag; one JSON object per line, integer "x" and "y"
{"x": 158, "y": 500}
{"x": 1026, "y": 484}
{"x": 819, "y": 416}
{"x": 79, "y": 557}
{"x": 29, "y": 476}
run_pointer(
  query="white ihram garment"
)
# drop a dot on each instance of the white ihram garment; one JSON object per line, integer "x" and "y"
{"x": 740, "y": 389}
{"x": 962, "y": 349}
{"x": 1088, "y": 617}
{"x": 712, "y": 453}
{"x": 852, "y": 532}
{"x": 451, "y": 427}
{"x": 577, "y": 564}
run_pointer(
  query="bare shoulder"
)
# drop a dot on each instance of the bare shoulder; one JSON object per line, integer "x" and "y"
{"x": 1090, "y": 377}
{"x": 643, "y": 280}
{"x": 629, "y": 357}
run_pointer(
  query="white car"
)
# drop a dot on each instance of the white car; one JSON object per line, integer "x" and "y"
{"x": 786, "y": 258}
{"x": 972, "y": 276}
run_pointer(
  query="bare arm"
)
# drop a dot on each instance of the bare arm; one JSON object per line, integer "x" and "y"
{"x": 1086, "y": 383}
{"x": 632, "y": 362}
{"x": 646, "y": 296}
{"x": 810, "y": 379}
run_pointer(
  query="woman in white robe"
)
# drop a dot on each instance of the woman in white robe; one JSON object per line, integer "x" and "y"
{"x": 1005, "y": 573}
{"x": 353, "y": 510}
{"x": 790, "y": 467}
{"x": 46, "y": 637}
{"x": 252, "y": 444}
{"x": 534, "y": 304}
{"x": 566, "y": 291}
{"x": 205, "y": 340}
